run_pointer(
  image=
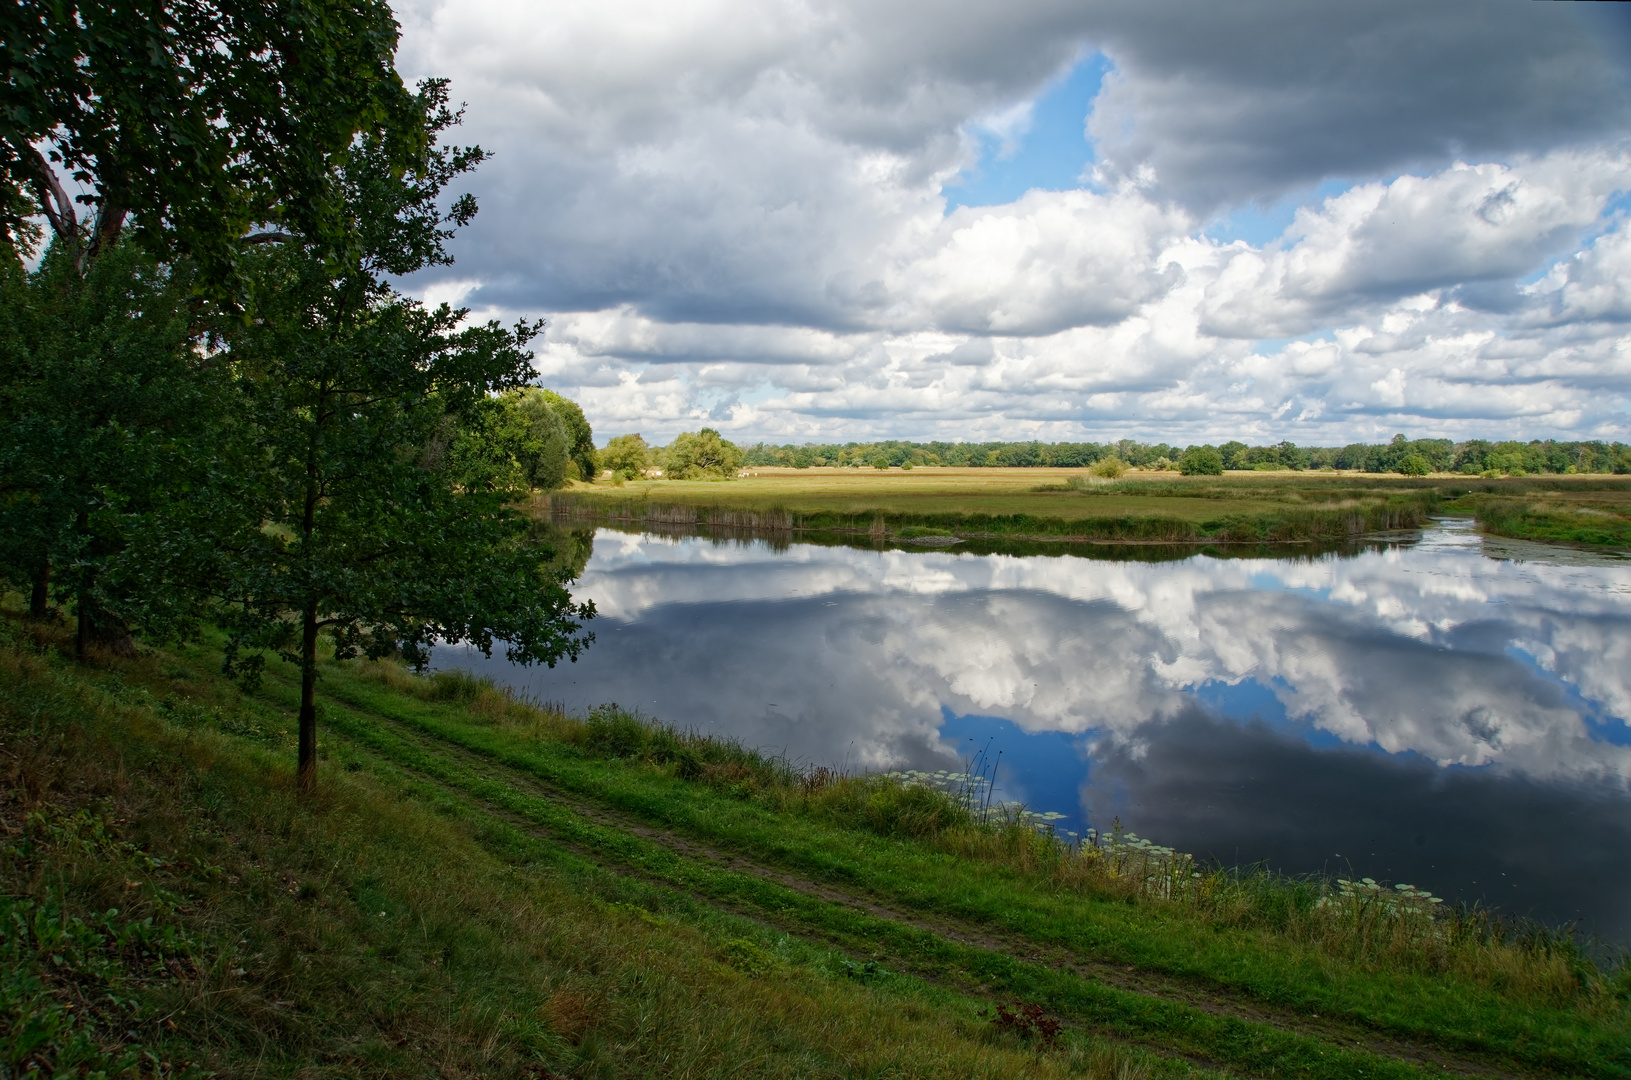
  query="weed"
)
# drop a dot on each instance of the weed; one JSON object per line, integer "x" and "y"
{"x": 1028, "y": 1021}
{"x": 748, "y": 957}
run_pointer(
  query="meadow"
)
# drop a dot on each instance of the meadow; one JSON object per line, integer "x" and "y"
{"x": 1141, "y": 507}
{"x": 486, "y": 886}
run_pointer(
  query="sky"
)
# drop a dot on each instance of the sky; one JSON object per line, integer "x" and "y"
{"x": 830, "y": 220}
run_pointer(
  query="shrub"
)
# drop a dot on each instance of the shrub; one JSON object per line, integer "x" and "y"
{"x": 1201, "y": 461}
{"x": 1110, "y": 467}
{"x": 1415, "y": 465}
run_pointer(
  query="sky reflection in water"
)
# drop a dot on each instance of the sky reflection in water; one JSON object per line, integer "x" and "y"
{"x": 1424, "y": 714}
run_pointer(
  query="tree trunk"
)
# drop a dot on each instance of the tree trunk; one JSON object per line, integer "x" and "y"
{"x": 306, "y": 771}
{"x": 41, "y": 594}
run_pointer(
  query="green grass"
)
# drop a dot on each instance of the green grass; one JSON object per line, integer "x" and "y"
{"x": 1141, "y": 508}
{"x": 172, "y": 908}
{"x": 487, "y": 887}
{"x": 1595, "y": 516}
{"x": 1047, "y": 504}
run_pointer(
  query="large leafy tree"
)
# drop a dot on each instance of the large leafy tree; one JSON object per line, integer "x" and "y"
{"x": 369, "y": 515}
{"x": 627, "y": 456}
{"x": 537, "y": 437}
{"x": 581, "y": 451}
{"x": 696, "y": 454}
{"x": 191, "y": 132}
{"x": 195, "y": 123}
{"x": 107, "y": 405}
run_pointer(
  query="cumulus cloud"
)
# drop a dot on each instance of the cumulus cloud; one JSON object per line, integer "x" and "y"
{"x": 734, "y": 212}
{"x": 1385, "y": 242}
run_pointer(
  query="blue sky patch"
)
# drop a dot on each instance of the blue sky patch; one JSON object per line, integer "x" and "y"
{"x": 1050, "y": 153}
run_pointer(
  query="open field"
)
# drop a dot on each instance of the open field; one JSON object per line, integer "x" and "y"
{"x": 1018, "y": 503}
{"x": 486, "y": 887}
{"x": 1061, "y": 504}
{"x": 1023, "y": 503}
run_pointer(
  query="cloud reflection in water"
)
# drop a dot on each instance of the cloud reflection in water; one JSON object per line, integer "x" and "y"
{"x": 1421, "y": 713}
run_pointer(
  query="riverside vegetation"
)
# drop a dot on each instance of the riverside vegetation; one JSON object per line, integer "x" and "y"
{"x": 1147, "y": 507}
{"x": 485, "y": 886}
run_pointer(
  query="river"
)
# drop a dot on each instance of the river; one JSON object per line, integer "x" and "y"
{"x": 1435, "y": 709}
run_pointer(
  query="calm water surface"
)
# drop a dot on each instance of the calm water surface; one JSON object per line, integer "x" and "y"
{"x": 1437, "y": 712}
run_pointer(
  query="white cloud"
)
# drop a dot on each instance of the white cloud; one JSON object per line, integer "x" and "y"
{"x": 732, "y": 212}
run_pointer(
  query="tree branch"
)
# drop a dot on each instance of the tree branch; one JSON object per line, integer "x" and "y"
{"x": 58, "y": 207}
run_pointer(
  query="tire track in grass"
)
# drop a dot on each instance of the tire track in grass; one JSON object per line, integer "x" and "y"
{"x": 855, "y": 937}
{"x": 1221, "y": 1002}
{"x": 1220, "y": 1038}
{"x": 516, "y": 833}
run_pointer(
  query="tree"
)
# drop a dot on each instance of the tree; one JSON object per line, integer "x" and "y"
{"x": 362, "y": 520}
{"x": 1234, "y": 454}
{"x": 536, "y": 437}
{"x": 1201, "y": 461}
{"x": 581, "y": 451}
{"x": 195, "y": 123}
{"x": 107, "y": 405}
{"x": 1415, "y": 465}
{"x": 627, "y": 456}
{"x": 699, "y": 454}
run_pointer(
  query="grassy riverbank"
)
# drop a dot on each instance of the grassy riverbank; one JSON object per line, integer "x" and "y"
{"x": 487, "y": 887}
{"x": 1044, "y": 504}
{"x": 1584, "y": 514}
{"x": 1148, "y": 508}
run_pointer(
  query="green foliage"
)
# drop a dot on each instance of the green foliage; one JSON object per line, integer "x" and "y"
{"x": 542, "y": 442}
{"x": 1472, "y": 457}
{"x": 1592, "y": 522}
{"x": 626, "y": 456}
{"x": 701, "y": 454}
{"x": 372, "y": 505}
{"x": 195, "y": 122}
{"x": 580, "y": 450}
{"x": 108, "y": 410}
{"x": 609, "y": 731}
{"x": 1201, "y": 461}
{"x": 1414, "y": 465}
{"x": 1109, "y": 467}
{"x": 890, "y": 808}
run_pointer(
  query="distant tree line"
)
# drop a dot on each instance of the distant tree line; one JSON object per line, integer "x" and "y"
{"x": 1401, "y": 455}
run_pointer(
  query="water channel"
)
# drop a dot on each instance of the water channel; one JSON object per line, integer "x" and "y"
{"x": 1435, "y": 709}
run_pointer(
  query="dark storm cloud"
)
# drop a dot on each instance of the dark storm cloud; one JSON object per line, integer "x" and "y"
{"x": 1240, "y": 101}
